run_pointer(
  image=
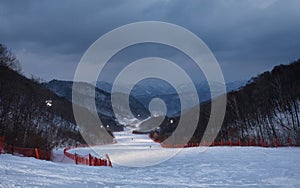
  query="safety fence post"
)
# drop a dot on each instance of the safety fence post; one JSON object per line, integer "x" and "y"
{"x": 109, "y": 162}
{"x": 36, "y": 153}
{"x": 90, "y": 159}
{"x": 76, "y": 158}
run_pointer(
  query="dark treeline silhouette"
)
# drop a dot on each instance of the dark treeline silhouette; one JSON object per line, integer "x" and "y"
{"x": 265, "y": 109}
{"x": 25, "y": 119}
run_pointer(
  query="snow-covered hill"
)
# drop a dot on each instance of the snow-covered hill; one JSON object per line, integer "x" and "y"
{"x": 216, "y": 167}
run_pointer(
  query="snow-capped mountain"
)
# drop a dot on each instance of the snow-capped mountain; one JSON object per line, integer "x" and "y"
{"x": 149, "y": 89}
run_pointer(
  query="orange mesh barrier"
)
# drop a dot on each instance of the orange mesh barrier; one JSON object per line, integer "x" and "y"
{"x": 87, "y": 160}
{"x": 29, "y": 152}
{"x": 250, "y": 142}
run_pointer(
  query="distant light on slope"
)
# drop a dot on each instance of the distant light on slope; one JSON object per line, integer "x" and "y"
{"x": 48, "y": 103}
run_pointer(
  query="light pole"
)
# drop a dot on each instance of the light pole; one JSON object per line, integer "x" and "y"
{"x": 49, "y": 105}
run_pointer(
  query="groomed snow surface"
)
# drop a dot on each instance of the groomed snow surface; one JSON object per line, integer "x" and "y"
{"x": 216, "y": 167}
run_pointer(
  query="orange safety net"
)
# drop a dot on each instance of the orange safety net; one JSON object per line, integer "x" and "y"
{"x": 29, "y": 152}
{"x": 87, "y": 160}
{"x": 250, "y": 142}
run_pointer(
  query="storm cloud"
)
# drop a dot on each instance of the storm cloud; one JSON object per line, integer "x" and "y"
{"x": 247, "y": 37}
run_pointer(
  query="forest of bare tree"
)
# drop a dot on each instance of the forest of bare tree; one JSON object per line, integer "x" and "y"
{"x": 265, "y": 110}
{"x": 25, "y": 118}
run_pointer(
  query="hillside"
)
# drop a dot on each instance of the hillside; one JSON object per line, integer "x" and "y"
{"x": 265, "y": 109}
{"x": 103, "y": 103}
{"x": 26, "y": 121}
{"x": 25, "y": 118}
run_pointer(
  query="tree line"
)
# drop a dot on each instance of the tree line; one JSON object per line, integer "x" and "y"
{"x": 265, "y": 109}
{"x": 25, "y": 119}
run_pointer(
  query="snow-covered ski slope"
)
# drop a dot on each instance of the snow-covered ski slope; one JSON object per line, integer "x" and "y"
{"x": 133, "y": 150}
{"x": 216, "y": 167}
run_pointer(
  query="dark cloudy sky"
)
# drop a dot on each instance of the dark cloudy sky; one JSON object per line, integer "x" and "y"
{"x": 246, "y": 36}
